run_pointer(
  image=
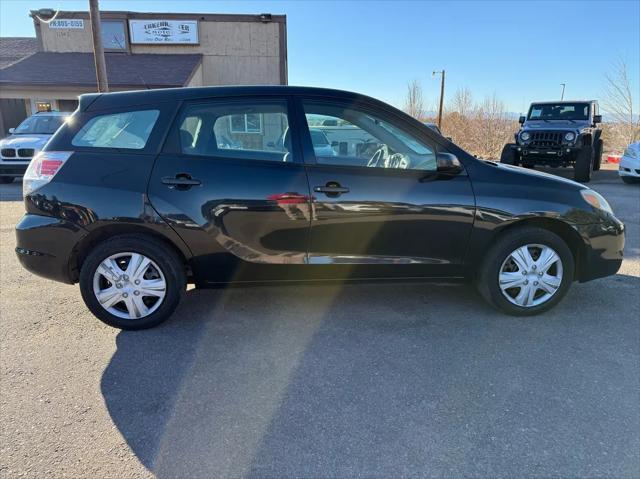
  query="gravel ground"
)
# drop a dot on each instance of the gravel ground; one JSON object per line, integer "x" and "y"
{"x": 332, "y": 381}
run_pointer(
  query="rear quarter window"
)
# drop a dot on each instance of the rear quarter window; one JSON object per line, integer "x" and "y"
{"x": 127, "y": 130}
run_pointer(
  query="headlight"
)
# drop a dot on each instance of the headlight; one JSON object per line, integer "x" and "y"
{"x": 524, "y": 136}
{"x": 596, "y": 200}
{"x": 570, "y": 136}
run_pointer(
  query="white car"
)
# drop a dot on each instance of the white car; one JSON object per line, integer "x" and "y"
{"x": 25, "y": 141}
{"x": 629, "y": 168}
{"x": 321, "y": 144}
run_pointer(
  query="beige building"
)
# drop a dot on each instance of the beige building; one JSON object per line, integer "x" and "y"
{"x": 142, "y": 50}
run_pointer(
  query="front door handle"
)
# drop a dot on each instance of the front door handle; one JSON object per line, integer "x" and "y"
{"x": 331, "y": 189}
{"x": 180, "y": 181}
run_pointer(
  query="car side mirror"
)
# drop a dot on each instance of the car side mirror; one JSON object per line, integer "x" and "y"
{"x": 448, "y": 164}
{"x": 521, "y": 120}
{"x": 597, "y": 119}
{"x": 11, "y": 130}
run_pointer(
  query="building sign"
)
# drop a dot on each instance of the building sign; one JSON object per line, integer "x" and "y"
{"x": 67, "y": 23}
{"x": 164, "y": 31}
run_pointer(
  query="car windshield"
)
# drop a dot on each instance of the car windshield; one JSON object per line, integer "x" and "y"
{"x": 318, "y": 138}
{"x": 559, "y": 111}
{"x": 39, "y": 125}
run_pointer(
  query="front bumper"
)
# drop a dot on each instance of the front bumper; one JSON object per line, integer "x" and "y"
{"x": 603, "y": 249}
{"x": 559, "y": 153}
{"x": 629, "y": 167}
{"x": 13, "y": 168}
{"x": 45, "y": 246}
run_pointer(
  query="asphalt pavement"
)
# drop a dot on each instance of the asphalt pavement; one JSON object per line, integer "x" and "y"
{"x": 334, "y": 381}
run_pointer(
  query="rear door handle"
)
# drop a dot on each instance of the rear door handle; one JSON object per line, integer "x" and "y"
{"x": 182, "y": 180}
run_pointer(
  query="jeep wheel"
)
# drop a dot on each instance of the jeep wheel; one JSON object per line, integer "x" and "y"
{"x": 584, "y": 162}
{"x": 508, "y": 155}
{"x": 597, "y": 155}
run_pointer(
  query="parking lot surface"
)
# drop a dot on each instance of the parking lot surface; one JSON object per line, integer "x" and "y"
{"x": 376, "y": 380}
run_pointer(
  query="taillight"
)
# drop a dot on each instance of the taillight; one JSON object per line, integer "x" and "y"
{"x": 42, "y": 168}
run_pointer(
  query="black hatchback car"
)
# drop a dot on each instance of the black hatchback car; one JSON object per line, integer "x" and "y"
{"x": 140, "y": 193}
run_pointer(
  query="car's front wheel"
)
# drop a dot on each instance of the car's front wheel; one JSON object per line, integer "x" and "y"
{"x": 508, "y": 155}
{"x": 132, "y": 281}
{"x": 597, "y": 155}
{"x": 584, "y": 164}
{"x": 526, "y": 272}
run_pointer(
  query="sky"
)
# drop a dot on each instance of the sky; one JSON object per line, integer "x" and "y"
{"x": 520, "y": 51}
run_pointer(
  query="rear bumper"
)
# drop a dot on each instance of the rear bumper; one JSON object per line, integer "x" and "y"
{"x": 45, "y": 245}
{"x": 603, "y": 251}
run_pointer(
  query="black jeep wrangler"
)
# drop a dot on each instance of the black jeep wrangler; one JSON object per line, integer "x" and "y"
{"x": 560, "y": 133}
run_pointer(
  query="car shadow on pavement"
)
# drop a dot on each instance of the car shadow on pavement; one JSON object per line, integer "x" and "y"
{"x": 381, "y": 380}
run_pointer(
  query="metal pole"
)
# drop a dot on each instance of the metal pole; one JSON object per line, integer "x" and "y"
{"x": 562, "y": 96}
{"x": 441, "y": 99}
{"x": 98, "y": 51}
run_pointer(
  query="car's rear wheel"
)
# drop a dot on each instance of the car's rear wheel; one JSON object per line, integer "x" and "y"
{"x": 527, "y": 272}
{"x": 508, "y": 155}
{"x": 583, "y": 166}
{"x": 6, "y": 179}
{"x": 132, "y": 282}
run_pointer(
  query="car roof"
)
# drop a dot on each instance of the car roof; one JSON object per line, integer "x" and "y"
{"x": 562, "y": 102}
{"x": 98, "y": 101}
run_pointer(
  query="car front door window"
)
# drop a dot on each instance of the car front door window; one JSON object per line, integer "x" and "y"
{"x": 359, "y": 138}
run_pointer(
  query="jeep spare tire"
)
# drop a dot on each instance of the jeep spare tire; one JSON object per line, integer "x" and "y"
{"x": 584, "y": 161}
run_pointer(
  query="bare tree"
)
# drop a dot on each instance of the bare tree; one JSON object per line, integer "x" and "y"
{"x": 619, "y": 105}
{"x": 462, "y": 102}
{"x": 414, "y": 102}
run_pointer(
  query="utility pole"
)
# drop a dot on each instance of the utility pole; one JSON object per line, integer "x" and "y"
{"x": 98, "y": 50}
{"x": 562, "y": 95}
{"x": 441, "y": 73}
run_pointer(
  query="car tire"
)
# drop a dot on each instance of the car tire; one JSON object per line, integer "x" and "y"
{"x": 6, "y": 179}
{"x": 499, "y": 257}
{"x": 508, "y": 155}
{"x": 630, "y": 180}
{"x": 164, "y": 265}
{"x": 597, "y": 155}
{"x": 583, "y": 166}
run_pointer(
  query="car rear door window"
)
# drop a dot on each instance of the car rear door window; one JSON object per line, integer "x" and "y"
{"x": 127, "y": 130}
{"x": 252, "y": 129}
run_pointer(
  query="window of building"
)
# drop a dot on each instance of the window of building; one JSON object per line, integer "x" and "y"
{"x": 129, "y": 130}
{"x": 114, "y": 35}
{"x": 248, "y": 123}
{"x": 253, "y": 130}
{"x": 43, "y": 106}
